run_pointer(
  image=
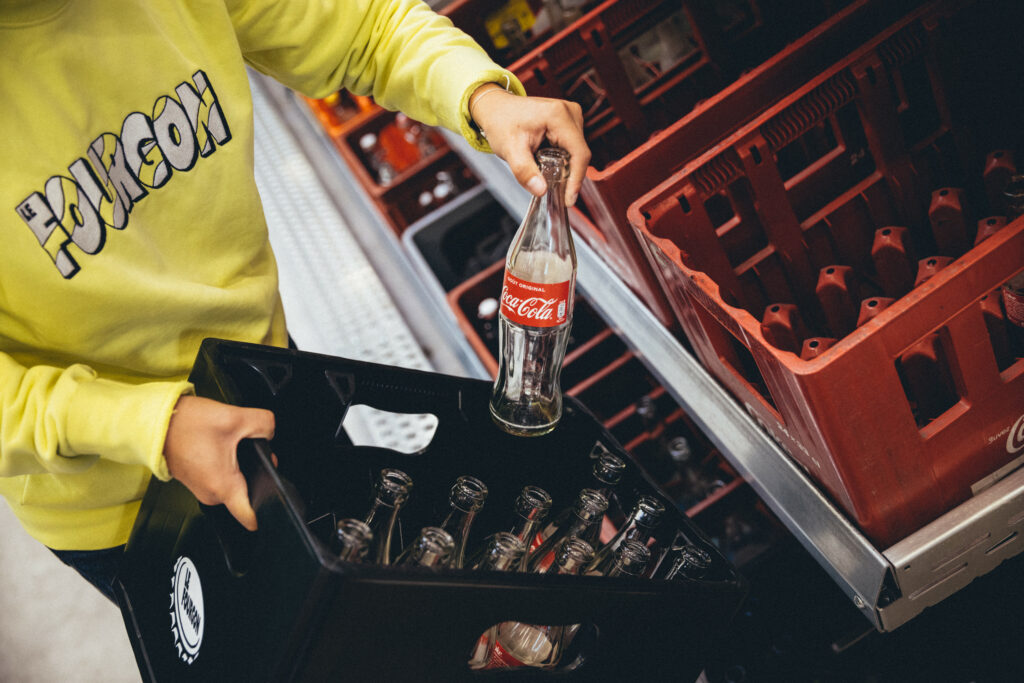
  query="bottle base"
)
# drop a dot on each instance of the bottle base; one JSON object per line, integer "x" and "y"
{"x": 520, "y": 430}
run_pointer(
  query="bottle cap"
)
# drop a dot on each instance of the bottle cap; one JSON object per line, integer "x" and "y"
{"x": 487, "y": 309}
{"x": 367, "y": 141}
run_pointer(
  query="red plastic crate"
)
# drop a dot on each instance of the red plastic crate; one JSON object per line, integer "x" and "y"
{"x": 899, "y": 418}
{"x": 609, "y": 189}
{"x": 640, "y": 133}
{"x": 398, "y": 201}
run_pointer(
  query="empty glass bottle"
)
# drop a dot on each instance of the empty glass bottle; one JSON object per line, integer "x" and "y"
{"x": 391, "y": 492}
{"x": 583, "y": 521}
{"x": 432, "y": 548}
{"x": 630, "y": 559}
{"x": 467, "y": 496}
{"x": 688, "y": 562}
{"x": 501, "y": 554}
{"x": 352, "y": 539}
{"x": 639, "y": 527}
{"x": 519, "y": 644}
{"x": 536, "y": 309}
{"x": 530, "y": 510}
{"x": 607, "y": 474}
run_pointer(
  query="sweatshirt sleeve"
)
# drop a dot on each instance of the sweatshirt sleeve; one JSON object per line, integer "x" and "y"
{"x": 62, "y": 419}
{"x": 400, "y": 51}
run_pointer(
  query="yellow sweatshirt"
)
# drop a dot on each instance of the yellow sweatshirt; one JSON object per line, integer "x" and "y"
{"x": 130, "y": 224}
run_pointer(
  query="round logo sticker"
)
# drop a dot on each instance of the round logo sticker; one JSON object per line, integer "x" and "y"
{"x": 187, "y": 616}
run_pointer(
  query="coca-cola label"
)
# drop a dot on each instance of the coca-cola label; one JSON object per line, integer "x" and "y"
{"x": 502, "y": 659}
{"x": 533, "y": 304}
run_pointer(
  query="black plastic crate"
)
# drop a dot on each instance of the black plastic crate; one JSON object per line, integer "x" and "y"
{"x": 276, "y": 605}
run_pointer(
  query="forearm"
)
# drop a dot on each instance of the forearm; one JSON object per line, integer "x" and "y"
{"x": 61, "y": 419}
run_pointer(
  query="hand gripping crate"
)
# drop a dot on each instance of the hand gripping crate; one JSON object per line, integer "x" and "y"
{"x": 904, "y": 417}
{"x": 204, "y": 600}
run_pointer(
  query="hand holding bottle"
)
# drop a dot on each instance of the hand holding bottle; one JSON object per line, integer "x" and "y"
{"x": 517, "y": 126}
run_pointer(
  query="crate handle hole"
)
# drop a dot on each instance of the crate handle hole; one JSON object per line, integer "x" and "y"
{"x": 406, "y": 433}
{"x": 755, "y": 153}
{"x": 886, "y": 232}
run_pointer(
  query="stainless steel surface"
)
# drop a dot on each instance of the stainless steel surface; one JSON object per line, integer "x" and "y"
{"x": 943, "y": 557}
{"x": 429, "y": 319}
{"x": 890, "y": 587}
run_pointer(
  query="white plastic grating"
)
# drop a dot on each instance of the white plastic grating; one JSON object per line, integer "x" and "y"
{"x": 334, "y": 301}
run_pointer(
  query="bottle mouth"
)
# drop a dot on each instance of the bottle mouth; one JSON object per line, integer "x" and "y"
{"x": 609, "y": 468}
{"x": 434, "y": 545}
{"x": 354, "y": 530}
{"x": 468, "y": 494}
{"x": 533, "y": 503}
{"x": 553, "y": 163}
{"x": 506, "y": 550}
{"x": 591, "y": 503}
{"x": 574, "y": 552}
{"x": 634, "y": 554}
{"x": 651, "y": 509}
{"x": 394, "y": 484}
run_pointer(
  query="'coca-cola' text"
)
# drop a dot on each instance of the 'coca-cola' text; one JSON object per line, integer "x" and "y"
{"x": 533, "y": 304}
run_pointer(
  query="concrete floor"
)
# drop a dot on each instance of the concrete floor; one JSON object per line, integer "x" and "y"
{"x": 54, "y": 626}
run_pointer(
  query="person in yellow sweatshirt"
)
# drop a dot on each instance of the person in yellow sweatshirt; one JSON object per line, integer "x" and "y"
{"x": 131, "y": 228}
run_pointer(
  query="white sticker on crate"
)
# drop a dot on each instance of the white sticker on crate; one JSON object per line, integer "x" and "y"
{"x": 187, "y": 615}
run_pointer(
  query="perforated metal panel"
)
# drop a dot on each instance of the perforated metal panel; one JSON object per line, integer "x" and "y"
{"x": 334, "y": 301}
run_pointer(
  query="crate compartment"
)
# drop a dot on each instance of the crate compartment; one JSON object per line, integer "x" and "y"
{"x": 643, "y": 135}
{"x": 276, "y": 605}
{"x": 482, "y": 334}
{"x": 897, "y": 417}
{"x": 407, "y": 169}
{"x": 468, "y": 237}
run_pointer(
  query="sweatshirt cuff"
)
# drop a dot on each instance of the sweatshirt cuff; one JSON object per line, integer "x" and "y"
{"x": 125, "y": 423}
{"x": 467, "y": 128}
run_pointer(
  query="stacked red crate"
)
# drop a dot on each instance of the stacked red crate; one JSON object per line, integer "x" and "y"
{"x": 788, "y": 240}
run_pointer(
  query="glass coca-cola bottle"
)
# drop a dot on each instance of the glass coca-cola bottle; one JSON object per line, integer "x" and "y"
{"x": 536, "y": 309}
{"x": 688, "y": 562}
{"x": 639, "y": 527}
{"x": 390, "y": 493}
{"x": 467, "y": 496}
{"x": 432, "y": 549}
{"x": 502, "y": 553}
{"x": 583, "y": 521}
{"x": 630, "y": 559}
{"x": 352, "y": 539}
{"x": 519, "y": 644}
{"x": 530, "y": 510}
{"x": 606, "y": 474}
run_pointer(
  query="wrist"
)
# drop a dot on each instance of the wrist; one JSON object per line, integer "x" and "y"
{"x": 483, "y": 91}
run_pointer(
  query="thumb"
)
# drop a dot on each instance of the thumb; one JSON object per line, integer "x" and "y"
{"x": 520, "y": 160}
{"x": 258, "y": 424}
{"x": 237, "y": 503}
